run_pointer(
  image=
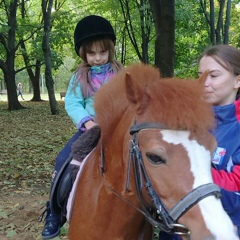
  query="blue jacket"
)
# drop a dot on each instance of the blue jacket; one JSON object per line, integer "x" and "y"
{"x": 227, "y": 158}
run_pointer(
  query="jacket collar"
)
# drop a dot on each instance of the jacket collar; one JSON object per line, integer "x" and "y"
{"x": 228, "y": 113}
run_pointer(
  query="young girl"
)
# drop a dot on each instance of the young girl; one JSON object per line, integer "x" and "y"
{"x": 94, "y": 40}
{"x": 222, "y": 91}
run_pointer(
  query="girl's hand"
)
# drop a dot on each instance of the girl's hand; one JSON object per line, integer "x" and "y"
{"x": 89, "y": 124}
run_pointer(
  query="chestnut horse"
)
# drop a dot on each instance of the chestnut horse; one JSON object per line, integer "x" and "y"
{"x": 153, "y": 162}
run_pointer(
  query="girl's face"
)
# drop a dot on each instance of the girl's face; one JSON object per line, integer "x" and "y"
{"x": 97, "y": 55}
{"x": 221, "y": 85}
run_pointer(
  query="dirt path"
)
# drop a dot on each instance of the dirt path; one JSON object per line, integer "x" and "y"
{"x": 19, "y": 216}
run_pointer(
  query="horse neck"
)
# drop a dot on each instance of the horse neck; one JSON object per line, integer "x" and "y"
{"x": 116, "y": 148}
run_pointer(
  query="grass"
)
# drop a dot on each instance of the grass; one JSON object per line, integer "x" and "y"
{"x": 28, "y": 96}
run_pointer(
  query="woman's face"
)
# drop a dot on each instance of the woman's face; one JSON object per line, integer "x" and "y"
{"x": 221, "y": 85}
{"x": 97, "y": 56}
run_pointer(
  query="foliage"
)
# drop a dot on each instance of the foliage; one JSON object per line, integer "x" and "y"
{"x": 63, "y": 74}
{"x": 192, "y": 34}
{"x": 191, "y": 37}
{"x": 138, "y": 27}
{"x": 235, "y": 24}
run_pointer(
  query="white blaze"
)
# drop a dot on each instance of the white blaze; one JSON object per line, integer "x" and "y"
{"x": 217, "y": 220}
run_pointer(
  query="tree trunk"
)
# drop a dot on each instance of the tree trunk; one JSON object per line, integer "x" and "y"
{"x": 9, "y": 77}
{"x": 212, "y": 22}
{"x": 8, "y": 66}
{"x": 145, "y": 20}
{"x": 34, "y": 78}
{"x": 227, "y": 22}
{"x": 46, "y": 9}
{"x": 164, "y": 16}
{"x": 220, "y": 33}
{"x": 219, "y": 28}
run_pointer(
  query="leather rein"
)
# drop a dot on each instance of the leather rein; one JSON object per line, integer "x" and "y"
{"x": 159, "y": 216}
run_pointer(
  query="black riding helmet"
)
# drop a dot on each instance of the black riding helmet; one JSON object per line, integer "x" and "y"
{"x": 90, "y": 27}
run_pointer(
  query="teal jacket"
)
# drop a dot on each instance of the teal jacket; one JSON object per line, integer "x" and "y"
{"x": 79, "y": 108}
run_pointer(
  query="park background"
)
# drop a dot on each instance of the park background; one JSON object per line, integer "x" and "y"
{"x": 36, "y": 43}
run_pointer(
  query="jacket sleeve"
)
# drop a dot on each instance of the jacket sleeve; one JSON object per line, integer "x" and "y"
{"x": 230, "y": 201}
{"x": 75, "y": 104}
{"x": 230, "y": 181}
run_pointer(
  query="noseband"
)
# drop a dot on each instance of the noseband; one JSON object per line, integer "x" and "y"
{"x": 158, "y": 215}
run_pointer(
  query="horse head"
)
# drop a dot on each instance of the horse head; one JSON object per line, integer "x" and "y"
{"x": 156, "y": 149}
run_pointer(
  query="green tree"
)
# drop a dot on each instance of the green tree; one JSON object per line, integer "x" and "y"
{"x": 47, "y": 10}
{"x": 218, "y": 15}
{"x": 141, "y": 18}
{"x": 32, "y": 61}
{"x": 181, "y": 32}
{"x": 9, "y": 48}
{"x": 191, "y": 37}
{"x": 234, "y": 33}
{"x": 193, "y": 33}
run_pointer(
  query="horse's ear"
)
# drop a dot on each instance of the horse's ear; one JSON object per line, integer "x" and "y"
{"x": 203, "y": 78}
{"x": 131, "y": 90}
{"x": 135, "y": 94}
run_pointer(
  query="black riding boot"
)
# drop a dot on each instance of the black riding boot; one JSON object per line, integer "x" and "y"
{"x": 52, "y": 224}
{"x": 56, "y": 207}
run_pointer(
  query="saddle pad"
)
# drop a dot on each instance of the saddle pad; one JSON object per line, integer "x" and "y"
{"x": 75, "y": 184}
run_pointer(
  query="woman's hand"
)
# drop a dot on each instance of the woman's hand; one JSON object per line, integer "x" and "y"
{"x": 89, "y": 124}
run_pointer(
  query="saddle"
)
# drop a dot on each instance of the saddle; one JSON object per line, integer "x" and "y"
{"x": 62, "y": 185}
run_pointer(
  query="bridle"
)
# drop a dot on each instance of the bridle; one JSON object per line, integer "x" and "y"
{"x": 158, "y": 215}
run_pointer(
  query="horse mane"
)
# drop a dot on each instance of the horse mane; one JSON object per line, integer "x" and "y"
{"x": 177, "y": 103}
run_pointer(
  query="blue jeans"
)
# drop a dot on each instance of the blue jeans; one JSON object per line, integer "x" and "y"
{"x": 65, "y": 152}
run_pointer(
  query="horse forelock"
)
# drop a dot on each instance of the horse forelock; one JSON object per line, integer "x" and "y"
{"x": 175, "y": 102}
{"x": 178, "y": 104}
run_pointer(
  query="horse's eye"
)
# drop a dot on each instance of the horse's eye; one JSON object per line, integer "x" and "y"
{"x": 155, "y": 158}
